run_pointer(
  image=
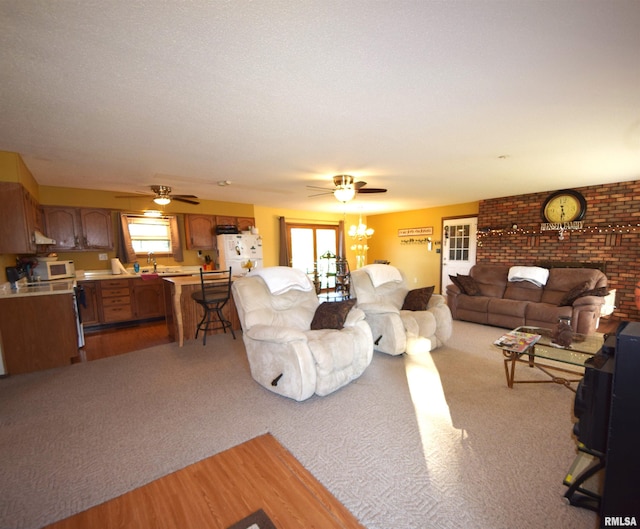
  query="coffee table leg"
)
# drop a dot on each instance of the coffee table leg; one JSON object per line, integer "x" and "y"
{"x": 510, "y": 373}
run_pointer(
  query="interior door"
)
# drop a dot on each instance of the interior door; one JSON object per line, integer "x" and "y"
{"x": 459, "y": 242}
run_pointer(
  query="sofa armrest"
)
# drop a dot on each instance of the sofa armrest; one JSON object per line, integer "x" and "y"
{"x": 436, "y": 300}
{"x": 453, "y": 292}
{"x": 596, "y": 301}
{"x": 355, "y": 315}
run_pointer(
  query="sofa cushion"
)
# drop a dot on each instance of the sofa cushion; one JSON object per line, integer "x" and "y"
{"x": 561, "y": 280}
{"x": 474, "y": 303}
{"x": 523, "y": 291}
{"x": 491, "y": 279}
{"x": 509, "y": 307}
{"x": 332, "y": 315}
{"x": 545, "y": 314}
{"x": 418, "y": 299}
{"x": 466, "y": 284}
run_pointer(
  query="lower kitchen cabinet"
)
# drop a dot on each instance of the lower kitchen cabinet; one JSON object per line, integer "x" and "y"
{"x": 38, "y": 332}
{"x": 121, "y": 300}
{"x": 148, "y": 298}
{"x": 115, "y": 297}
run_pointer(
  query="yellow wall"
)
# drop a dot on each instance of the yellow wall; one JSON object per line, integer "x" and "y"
{"x": 267, "y": 221}
{"x": 421, "y": 267}
{"x": 13, "y": 169}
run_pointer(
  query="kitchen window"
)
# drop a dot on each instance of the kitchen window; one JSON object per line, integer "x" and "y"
{"x": 142, "y": 235}
{"x": 150, "y": 235}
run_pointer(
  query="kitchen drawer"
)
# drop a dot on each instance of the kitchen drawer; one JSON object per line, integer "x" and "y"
{"x": 115, "y": 283}
{"x": 117, "y": 313}
{"x": 115, "y": 292}
{"x": 120, "y": 300}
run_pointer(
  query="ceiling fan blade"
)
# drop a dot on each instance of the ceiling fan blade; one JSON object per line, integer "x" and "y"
{"x": 141, "y": 195}
{"x": 182, "y": 198}
{"x": 321, "y": 188}
{"x": 325, "y": 192}
{"x": 359, "y": 185}
{"x": 371, "y": 190}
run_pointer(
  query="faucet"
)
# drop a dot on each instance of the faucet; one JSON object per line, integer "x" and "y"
{"x": 152, "y": 259}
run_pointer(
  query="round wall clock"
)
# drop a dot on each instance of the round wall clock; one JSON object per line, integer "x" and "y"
{"x": 566, "y": 205}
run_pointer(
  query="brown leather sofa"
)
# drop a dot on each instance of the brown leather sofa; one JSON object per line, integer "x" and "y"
{"x": 492, "y": 299}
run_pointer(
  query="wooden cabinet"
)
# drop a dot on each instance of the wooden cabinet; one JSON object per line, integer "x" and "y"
{"x": 38, "y": 332}
{"x": 115, "y": 300}
{"x": 20, "y": 216}
{"x": 97, "y": 229}
{"x": 121, "y": 300}
{"x": 246, "y": 223}
{"x": 79, "y": 228}
{"x": 200, "y": 232}
{"x": 223, "y": 220}
{"x": 89, "y": 310}
{"x": 148, "y": 298}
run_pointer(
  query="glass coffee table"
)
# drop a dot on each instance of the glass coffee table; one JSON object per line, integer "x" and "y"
{"x": 583, "y": 347}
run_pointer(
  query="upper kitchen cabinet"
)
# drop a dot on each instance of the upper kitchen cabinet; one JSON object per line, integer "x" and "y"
{"x": 246, "y": 223}
{"x": 200, "y": 231}
{"x": 20, "y": 216}
{"x": 79, "y": 228}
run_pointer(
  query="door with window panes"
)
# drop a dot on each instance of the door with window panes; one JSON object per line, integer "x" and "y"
{"x": 459, "y": 241}
{"x": 313, "y": 250}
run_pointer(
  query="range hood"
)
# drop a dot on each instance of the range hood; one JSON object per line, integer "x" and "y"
{"x": 40, "y": 238}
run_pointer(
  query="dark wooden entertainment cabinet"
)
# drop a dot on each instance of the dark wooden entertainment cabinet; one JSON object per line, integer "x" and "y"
{"x": 608, "y": 429}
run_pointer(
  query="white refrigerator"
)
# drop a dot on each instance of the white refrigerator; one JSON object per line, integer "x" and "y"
{"x": 236, "y": 250}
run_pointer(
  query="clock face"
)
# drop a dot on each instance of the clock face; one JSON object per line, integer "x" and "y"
{"x": 564, "y": 206}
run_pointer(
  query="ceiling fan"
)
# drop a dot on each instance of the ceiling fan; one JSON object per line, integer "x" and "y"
{"x": 163, "y": 196}
{"x": 346, "y": 188}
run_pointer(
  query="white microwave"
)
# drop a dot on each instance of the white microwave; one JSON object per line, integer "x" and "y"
{"x": 50, "y": 270}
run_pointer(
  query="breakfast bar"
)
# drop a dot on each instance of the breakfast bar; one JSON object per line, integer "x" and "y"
{"x": 183, "y": 313}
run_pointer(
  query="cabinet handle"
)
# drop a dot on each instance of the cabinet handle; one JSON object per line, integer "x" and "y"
{"x": 76, "y": 241}
{"x": 86, "y": 243}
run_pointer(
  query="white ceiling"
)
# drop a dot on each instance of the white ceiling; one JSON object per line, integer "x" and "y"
{"x": 441, "y": 102}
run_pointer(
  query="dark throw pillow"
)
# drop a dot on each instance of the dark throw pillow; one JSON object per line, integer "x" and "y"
{"x": 418, "y": 299}
{"x": 456, "y": 282}
{"x": 573, "y": 294}
{"x": 600, "y": 291}
{"x": 332, "y": 315}
{"x": 466, "y": 284}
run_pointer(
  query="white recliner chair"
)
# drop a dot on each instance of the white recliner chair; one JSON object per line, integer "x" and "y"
{"x": 291, "y": 350}
{"x": 381, "y": 290}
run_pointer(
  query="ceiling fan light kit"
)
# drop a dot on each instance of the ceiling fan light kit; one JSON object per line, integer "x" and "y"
{"x": 346, "y": 188}
{"x": 163, "y": 196}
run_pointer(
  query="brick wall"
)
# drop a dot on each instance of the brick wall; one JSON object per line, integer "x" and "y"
{"x": 611, "y": 235}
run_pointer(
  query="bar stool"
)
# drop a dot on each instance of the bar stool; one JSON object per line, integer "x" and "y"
{"x": 213, "y": 296}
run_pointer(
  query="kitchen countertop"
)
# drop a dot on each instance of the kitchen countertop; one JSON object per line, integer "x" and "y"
{"x": 162, "y": 272}
{"x": 42, "y": 288}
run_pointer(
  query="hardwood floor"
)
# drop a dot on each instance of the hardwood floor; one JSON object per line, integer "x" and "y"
{"x": 220, "y": 490}
{"x": 116, "y": 341}
{"x": 120, "y": 340}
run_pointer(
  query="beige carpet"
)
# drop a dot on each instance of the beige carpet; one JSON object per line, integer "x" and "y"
{"x": 471, "y": 452}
